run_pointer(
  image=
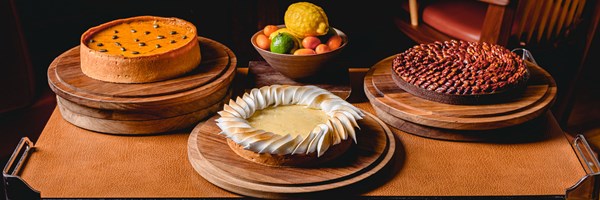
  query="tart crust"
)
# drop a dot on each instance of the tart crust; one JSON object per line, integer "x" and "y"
{"x": 297, "y": 160}
{"x": 143, "y": 68}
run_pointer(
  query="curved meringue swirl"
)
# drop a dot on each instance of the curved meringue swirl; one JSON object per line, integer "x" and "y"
{"x": 342, "y": 117}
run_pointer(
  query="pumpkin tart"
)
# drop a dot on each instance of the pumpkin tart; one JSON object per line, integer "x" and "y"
{"x": 140, "y": 49}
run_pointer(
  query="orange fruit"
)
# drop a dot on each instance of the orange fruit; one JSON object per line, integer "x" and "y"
{"x": 269, "y": 29}
{"x": 304, "y": 52}
{"x": 334, "y": 42}
{"x": 322, "y": 48}
{"x": 263, "y": 42}
{"x": 310, "y": 42}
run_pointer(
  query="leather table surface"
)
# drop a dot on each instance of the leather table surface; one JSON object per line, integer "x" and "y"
{"x": 70, "y": 162}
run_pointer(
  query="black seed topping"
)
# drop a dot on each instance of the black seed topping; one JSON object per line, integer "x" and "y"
{"x": 118, "y": 44}
{"x": 160, "y": 37}
{"x": 157, "y": 45}
{"x": 136, "y": 40}
{"x": 99, "y": 44}
{"x": 103, "y": 50}
{"x": 115, "y": 37}
{"x": 184, "y": 37}
{"x": 116, "y": 31}
{"x": 172, "y": 41}
{"x": 123, "y": 49}
{"x": 147, "y": 32}
{"x": 92, "y": 41}
{"x": 135, "y": 52}
{"x": 173, "y": 32}
{"x": 142, "y": 44}
{"x": 133, "y": 31}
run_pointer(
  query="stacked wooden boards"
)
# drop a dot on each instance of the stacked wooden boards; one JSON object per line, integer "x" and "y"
{"x": 144, "y": 108}
{"x": 426, "y": 118}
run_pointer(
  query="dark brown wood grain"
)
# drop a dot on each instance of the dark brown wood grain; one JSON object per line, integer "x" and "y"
{"x": 136, "y": 127}
{"x": 132, "y": 115}
{"x": 385, "y": 95}
{"x": 214, "y": 62}
{"x": 527, "y": 132}
{"x": 497, "y": 24}
{"x": 337, "y": 82}
{"x": 212, "y": 158}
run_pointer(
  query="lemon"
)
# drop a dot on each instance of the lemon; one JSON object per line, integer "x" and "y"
{"x": 283, "y": 43}
{"x": 306, "y": 19}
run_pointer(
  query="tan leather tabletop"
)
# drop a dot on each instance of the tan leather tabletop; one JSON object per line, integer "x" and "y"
{"x": 73, "y": 162}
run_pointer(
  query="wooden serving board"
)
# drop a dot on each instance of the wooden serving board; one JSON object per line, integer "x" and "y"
{"x": 336, "y": 81}
{"x": 212, "y": 158}
{"x": 199, "y": 89}
{"x": 99, "y": 122}
{"x": 214, "y": 62}
{"x": 396, "y": 103}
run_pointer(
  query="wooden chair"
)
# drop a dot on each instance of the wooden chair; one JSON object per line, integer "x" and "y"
{"x": 466, "y": 20}
{"x": 541, "y": 20}
{"x": 492, "y": 21}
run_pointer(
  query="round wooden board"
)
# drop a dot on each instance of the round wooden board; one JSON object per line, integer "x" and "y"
{"x": 134, "y": 127}
{"x": 214, "y": 61}
{"x": 532, "y": 130}
{"x": 166, "y": 105}
{"x": 129, "y": 115}
{"x": 212, "y": 158}
{"x": 385, "y": 95}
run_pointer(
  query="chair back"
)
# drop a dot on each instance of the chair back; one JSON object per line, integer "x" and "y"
{"x": 546, "y": 20}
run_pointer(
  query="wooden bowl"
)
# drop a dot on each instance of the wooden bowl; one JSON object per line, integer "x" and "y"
{"x": 299, "y": 66}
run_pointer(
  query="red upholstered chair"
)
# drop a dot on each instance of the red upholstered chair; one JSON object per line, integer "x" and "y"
{"x": 494, "y": 21}
{"x": 24, "y": 108}
{"x": 468, "y": 20}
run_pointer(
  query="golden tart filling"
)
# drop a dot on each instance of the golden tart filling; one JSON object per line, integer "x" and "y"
{"x": 141, "y": 37}
{"x": 284, "y": 120}
{"x": 296, "y": 120}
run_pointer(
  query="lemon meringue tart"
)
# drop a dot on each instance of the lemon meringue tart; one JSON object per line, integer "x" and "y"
{"x": 283, "y": 125}
{"x": 139, "y": 50}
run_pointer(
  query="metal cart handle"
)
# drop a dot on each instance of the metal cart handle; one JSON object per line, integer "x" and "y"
{"x": 588, "y": 186}
{"x": 14, "y": 187}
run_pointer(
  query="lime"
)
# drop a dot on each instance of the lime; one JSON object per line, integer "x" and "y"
{"x": 283, "y": 43}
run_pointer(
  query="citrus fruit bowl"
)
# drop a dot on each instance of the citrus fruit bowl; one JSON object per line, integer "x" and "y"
{"x": 300, "y": 66}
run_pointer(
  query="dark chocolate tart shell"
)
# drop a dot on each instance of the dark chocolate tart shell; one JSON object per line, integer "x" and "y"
{"x": 468, "y": 99}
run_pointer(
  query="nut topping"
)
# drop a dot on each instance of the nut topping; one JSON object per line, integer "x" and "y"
{"x": 459, "y": 67}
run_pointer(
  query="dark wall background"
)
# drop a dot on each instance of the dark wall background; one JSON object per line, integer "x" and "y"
{"x": 52, "y": 27}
